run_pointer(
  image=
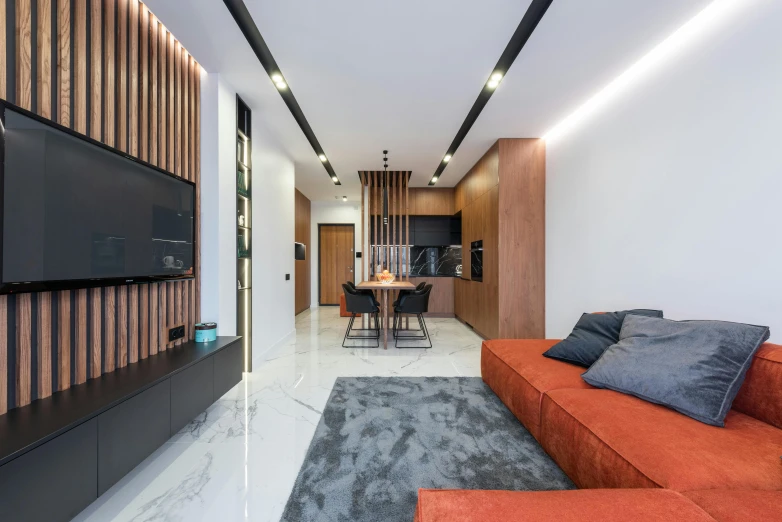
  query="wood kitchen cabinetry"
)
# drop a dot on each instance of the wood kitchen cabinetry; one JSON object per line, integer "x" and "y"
{"x": 441, "y": 302}
{"x": 502, "y": 203}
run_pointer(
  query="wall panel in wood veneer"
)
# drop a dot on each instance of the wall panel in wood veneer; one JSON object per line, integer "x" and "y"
{"x": 432, "y": 202}
{"x": 303, "y": 213}
{"x": 110, "y": 56}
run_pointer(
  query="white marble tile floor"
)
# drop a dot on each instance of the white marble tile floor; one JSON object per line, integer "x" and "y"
{"x": 238, "y": 460}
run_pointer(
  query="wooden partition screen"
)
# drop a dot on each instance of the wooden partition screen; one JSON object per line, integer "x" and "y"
{"x": 386, "y": 244}
{"x": 110, "y": 70}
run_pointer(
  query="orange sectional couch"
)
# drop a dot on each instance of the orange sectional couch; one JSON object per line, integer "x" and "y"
{"x": 616, "y": 447}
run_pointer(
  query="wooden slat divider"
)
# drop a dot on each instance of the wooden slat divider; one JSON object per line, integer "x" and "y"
{"x": 185, "y": 97}
{"x": 80, "y": 66}
{"x": 63, "y": 340}
{"x": 96, "y": 72}
{"x": 96, "y": 332}
{"x": 80, "y": 363}
{"x": 144, "y": 83}
{"x": 44, "y": 58}
{"x": 24, "y": 86}
{"x": 170, "y": 62}
{"x": 163, "y": 115}
{"x": 110, "y": 313}
{"x": 154, "y": 319}
{"x": 24, "y": 335}
{"x": 64, "y": 63}
{"x": 153, "y": 89}
{"x": 170, "y": 309}
{"x": 144, "y": 319}
{"x": 163, "y": 323}
{"x": 122, "y": 81}
{"x": 109, "y": 80}
{"x": 133, "y": 326}
{"x": 133, "y": 76}
{"x": 177, "y": 137}
{"x": 122, "y": 326}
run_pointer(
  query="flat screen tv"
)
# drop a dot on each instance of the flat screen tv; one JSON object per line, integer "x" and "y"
{"x": 76, "y": 213}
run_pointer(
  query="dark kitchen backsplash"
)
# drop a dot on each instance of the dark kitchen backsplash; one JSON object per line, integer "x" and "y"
{"x": 443, "y": 261}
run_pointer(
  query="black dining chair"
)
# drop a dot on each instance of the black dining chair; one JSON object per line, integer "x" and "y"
{"x": 361, "y": 303}
{"x": 418, "y": 288}
{"x": 363, "y": 291}
{"x": 415, "y": 303}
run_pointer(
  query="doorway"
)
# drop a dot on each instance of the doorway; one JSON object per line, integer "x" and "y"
{"x": 336, "y": 261}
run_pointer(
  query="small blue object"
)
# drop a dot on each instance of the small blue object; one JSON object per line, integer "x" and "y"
{"x": 205, "y": 332}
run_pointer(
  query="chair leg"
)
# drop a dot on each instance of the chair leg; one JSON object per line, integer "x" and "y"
{"x": 425, "y": 329}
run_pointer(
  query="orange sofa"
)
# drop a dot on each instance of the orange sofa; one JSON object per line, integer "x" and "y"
{"x": 615, "y": 447}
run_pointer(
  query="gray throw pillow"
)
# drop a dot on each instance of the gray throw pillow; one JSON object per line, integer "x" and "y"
{"x": 694, "y": 367}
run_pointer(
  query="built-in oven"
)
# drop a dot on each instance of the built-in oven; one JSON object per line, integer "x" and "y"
{"x": 476, "y": 260}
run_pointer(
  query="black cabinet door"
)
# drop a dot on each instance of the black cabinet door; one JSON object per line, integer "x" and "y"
{"x": 53, "y": 482}
{"x": 131, "y": 431}
{"x": 432, "y": 231}
{"x": 192, "y": 392}
{"x": 228, "y": 365}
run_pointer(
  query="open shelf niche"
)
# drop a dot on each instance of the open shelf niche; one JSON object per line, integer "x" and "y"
{"x": 244, "y": 285}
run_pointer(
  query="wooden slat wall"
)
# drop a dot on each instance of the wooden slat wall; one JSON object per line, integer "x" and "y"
{"x": 113, "y": 76}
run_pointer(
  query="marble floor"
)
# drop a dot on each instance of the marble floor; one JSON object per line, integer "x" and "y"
{"x": 239, "y": 459}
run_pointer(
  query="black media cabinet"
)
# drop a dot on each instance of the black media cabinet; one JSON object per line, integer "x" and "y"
{"x": 59, "y": 454}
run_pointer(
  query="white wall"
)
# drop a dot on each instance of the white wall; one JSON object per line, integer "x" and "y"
{"x": 272, "y": 226}
{"x": 218, "y": 203}
{"x": 671, "y": 197}
{"x": 273, "y": 232}
{"x": 337, "y": 213}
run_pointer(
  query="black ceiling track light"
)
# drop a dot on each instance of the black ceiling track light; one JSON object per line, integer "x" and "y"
{"x": 526, "y": 27}
{"x": 247, "y": 25}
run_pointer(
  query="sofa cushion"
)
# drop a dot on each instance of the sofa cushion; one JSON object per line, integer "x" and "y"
{"x": 739, "y": 505}
{"x": 761, "y": 394}
{"x": 605, "y": 439}
{"x": 640, "y": 505}
{"x": 517, "y": 372}
{"x": 592, "y": 335}
{"x": 694, "y": 367}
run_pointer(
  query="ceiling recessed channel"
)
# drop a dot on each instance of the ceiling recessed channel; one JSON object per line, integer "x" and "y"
{"x": 526, "y": 27}
{"x": 247, "y": 25}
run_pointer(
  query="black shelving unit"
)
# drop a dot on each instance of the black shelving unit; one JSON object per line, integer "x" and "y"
{"x": 244, "y": 228}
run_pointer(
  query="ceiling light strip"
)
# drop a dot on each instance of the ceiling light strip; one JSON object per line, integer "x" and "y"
{"x": 247, "y": 25}
{"x": 526, "y": 27}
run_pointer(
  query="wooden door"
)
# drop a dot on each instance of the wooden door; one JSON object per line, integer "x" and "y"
{"x": 336, "y": 261}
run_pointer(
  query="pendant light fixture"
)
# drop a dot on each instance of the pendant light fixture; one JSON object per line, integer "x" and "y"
{"x": 385, "y": 187}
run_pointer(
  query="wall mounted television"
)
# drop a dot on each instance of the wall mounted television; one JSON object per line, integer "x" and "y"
{"x": 75, "y": 213}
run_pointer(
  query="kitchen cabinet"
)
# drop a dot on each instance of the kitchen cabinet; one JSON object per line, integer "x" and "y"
{"x": 441, "y": 303}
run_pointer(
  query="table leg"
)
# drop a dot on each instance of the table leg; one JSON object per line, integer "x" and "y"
{"x": 385, "y": 320}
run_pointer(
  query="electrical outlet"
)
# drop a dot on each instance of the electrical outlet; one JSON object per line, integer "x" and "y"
{"x": 177, "y": 332}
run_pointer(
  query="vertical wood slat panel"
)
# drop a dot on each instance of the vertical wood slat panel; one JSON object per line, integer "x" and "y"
{"x": 96, "y": 333}
{"x": 3, "y": 331}
{"x": 24, "y": 337}
{"x": 81, "y": 337}
{"x": 185, "y": 86}
{"x": 64, "y": 65}
{"x": 44, "y": 347}
{"x": 122, "y": 82}
{"x": 64, "y": 340}
{"x": 170, "y": 104}
{"x": 144, "y": 85}
{"x": 80, "y": 66}
{"x": 96, "y": 72}
{"x": 109, "y": 80}
{"x": 133, "y": 77}
{"x": 110, "y": 332}
{"x": 133, "y": 326}
{"x": 4, "y": 95}
{"x": 185, "y": 309}
{"x": 163, "y": 322}
{"x": 122, "y": 327}
{"x": 170, "y": 309}
{"x": 163, "y": 114}
{"x": 154, "y": 319}
{"x": 180, "y": 312}
{"x": 44, "y": 58}
{"x": 153, "y": 89}
{"x": 24, "y": 86}
{"x": 178, "y": 110}
{"x": 144, "y": 319}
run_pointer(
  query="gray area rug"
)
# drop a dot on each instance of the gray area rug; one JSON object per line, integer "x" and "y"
{"x": 380, "y": 439}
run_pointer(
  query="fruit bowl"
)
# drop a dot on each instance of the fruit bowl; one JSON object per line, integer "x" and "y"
{"x": 386, "y": 277}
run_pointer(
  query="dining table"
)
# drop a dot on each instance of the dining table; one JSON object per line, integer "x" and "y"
{"x": 385, "y": 289}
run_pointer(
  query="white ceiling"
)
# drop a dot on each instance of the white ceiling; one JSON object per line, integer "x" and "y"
{"x": 402, "y": 75}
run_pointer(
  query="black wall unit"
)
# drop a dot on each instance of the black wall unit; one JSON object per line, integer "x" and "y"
{"x": 228, "y": 364}
{"x": 55, "y": 481}
{"x": 58, "y": 454}
{"x": 192, "y": 391}
{"x": 130, "y": 432}
{"x": 432, "y": 230}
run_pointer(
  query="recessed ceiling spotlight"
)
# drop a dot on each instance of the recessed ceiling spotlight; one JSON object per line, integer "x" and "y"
{"x": 322, "y": 157}
{"x": 447, "y": 158}
{"x": 344, "y": 198}
{"x": 276, "y": 78}
{"x": 281, "y": 85}
{"x": 492, "y": 84}
{"x": 496, "y": 76}
{"x": 335, "y": 179}
{"x": 434, "y": 180}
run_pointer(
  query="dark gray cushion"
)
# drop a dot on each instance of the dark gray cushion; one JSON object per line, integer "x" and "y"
{"x": 592, "y": 335}
{"x": 694, "y": 367}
